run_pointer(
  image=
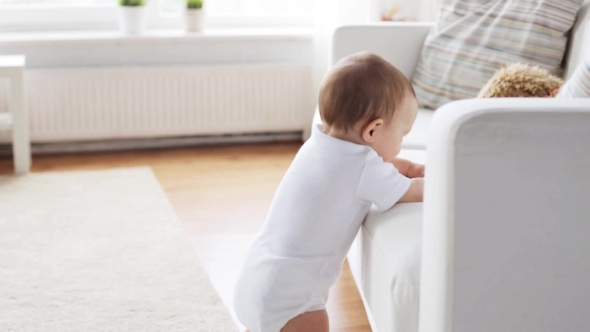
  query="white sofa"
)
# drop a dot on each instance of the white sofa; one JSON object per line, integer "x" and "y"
{"x": 487, "y": 264}
{"x": 506, "y": 217}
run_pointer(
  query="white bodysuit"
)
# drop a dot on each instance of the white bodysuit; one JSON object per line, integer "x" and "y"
{"x": 313, "y": 219}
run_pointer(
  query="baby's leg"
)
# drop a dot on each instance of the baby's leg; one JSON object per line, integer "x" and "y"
{"x": 311, "y": 321}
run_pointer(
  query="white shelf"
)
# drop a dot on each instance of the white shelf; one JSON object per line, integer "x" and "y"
{"x": 109, "y": 48}
{"x": 12, "y": 61}
{"x": 155, "y": 36}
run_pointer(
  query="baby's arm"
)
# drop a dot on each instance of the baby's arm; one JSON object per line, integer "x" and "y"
{"x": 408, "y": 168}
{"x": 415, "y": 172}
{"x": 383, "y": 183}
{"x": 415, "y": 193}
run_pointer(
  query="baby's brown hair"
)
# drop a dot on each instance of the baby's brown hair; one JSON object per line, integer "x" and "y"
{"x": 361, "y": 87}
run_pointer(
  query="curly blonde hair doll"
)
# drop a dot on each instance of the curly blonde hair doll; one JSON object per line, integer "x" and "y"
{"x": 521, "y": 80}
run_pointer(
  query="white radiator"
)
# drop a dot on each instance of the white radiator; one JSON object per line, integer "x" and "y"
{"x": 84, "y": 104}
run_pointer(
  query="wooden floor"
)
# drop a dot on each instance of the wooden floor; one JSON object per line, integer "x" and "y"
{"x": 221, "y": 195}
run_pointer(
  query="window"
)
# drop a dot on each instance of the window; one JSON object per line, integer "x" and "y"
{"x": 261, "y": 6}
{"x": 100, "y": 14}
{"x": 214, "y": 6}
{"x": 36, "y": 3}
{"x": 242, "y": 7}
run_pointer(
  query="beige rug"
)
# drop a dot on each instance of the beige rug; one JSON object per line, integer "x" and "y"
{"x": 99, "y": 251}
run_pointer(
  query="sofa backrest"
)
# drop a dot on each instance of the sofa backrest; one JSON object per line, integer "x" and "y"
{"x": 579, "y": 43}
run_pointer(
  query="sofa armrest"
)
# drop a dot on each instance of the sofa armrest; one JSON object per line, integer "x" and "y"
{"x": 506, "y": 216}
{"x": 399, "y": 43}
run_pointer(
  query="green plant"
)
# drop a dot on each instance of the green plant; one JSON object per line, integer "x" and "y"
{"x": 131, "y": 3}
{"x": 194, "y": 4}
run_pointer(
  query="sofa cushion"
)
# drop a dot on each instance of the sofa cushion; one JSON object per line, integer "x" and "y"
{"x": 416, "y": 139}
{"x": 577, "y": 86}
{"x": 385, "y": 262}
{"x": 579, "y": 41}
{"x": 474, "y": 38}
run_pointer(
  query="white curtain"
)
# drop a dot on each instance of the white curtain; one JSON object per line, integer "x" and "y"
{"x": 329, "y": 15}
{"x": 333, "y": 13}
{"x": 428, "y": 10}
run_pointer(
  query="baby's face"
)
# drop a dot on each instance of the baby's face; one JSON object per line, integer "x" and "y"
{"x": 388, "y": 140}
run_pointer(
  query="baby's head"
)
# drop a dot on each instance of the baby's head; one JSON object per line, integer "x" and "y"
{"x": 366, "y": 100}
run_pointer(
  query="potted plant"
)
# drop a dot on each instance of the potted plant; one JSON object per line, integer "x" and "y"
{"x": 132, "y": 16}
{"x": 194, "y": 15}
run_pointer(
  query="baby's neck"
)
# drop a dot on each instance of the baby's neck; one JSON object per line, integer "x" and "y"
{"x": 349, "y": 135}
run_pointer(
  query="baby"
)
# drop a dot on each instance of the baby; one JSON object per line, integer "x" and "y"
{"x": 367, "y": 107}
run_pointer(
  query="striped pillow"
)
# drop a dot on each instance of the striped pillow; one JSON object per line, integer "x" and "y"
{"x": 474, "y": 38}
{"x": 578, "y": 86}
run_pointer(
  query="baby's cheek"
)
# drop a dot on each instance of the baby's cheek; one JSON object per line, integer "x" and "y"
{"x": 397, "y": 150}
{"x": 397, "y": 145}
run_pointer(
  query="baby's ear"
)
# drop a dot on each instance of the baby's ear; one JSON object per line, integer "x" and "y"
{"x": 368, "y": 133}
{"x": 553, "y": 92}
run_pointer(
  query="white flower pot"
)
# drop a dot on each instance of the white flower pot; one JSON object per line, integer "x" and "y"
{"x": 132, "y": 19}
{"x": 194, "y": 19}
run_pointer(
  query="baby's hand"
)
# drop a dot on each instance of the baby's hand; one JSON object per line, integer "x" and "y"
{"x": 416, "y": 171}
{"x": 408, "y": 168}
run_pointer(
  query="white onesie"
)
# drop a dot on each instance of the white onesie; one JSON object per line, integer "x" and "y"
{"x": 313, "y": 219}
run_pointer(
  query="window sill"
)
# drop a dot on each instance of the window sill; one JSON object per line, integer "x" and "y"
{"x": 156, "y": 36}
{"x": 160, "y": 47}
